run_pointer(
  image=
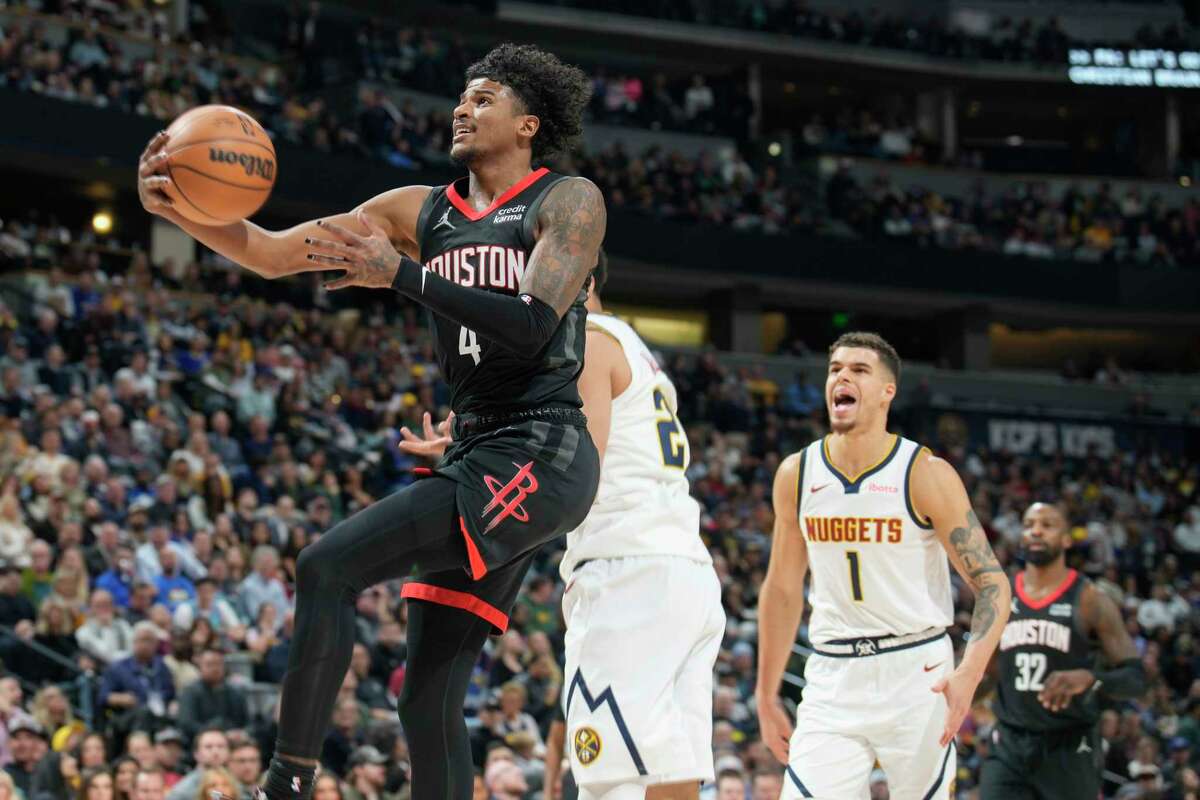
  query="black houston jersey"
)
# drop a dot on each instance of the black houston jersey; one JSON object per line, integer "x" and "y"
{"x": 1042, "y": 637}
{"x": 489, "y": 250}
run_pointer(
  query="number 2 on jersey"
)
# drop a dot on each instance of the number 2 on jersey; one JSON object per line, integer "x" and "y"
{"x": 855, "y": 575}
{"x": 670, "y": 433}
{"x": 1031, "y": 669}
{"x": 468, "y": 345}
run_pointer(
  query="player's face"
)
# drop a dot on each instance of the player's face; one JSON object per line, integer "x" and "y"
{"x": 858, "y": 389}
{"x": 1044, "y": 536}
{"x": 487, "y": 119}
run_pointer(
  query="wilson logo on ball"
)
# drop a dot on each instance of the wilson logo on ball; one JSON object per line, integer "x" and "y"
{"x": 253, "y": 165}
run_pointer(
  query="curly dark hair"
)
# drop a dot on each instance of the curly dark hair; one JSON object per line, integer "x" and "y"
{"x": 554, "y": 92}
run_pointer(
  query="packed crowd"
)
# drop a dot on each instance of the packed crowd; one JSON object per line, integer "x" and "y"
{"x": 1014, "y": 40}
{"x": 715, "y": 187}
{"x": 164, "y": 461}
{"x": 1028, "y": 220}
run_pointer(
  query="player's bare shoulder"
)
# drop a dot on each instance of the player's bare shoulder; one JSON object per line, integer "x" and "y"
{"x": 787, "y": 482}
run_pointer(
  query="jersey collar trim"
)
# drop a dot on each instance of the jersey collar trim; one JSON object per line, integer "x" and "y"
{"x": 1038, "y": 605}
{"x": 465, "y": 209}
{"x": 850, "y": 485}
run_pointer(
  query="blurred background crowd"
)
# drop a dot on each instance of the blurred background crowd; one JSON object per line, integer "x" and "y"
{"x": 1028, "y": 218}
{"x": 175, "y": 431}
{"x": 171, "y": 442}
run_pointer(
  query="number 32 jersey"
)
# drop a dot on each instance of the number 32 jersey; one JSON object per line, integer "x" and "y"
{"x": 489, "y": 250}
{"x": 1043, "y": 636}
{"x": 877, "y": 570}
{"x": 643, "y": 506}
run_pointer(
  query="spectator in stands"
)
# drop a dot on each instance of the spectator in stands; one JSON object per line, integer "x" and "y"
{"x": 168, "y": 753}
{"x": 211, "y": 751}
{"x": 104, "y": 636}
{"x": 505, "y": 780}
{"x": 148, "y": 785}
{"x": 216, "y": 609}
{"x": 211, "y": 702}
{"x": 39, "y": 575}
{"x": 137, "y": 690}
{"x": 218, "y": 782}
{"x": 370, "y": 691}
{"x": 245, "y": 764}
{"x": 263, "y": 585}
{"x": 28, "y": 744}
{"x": 538, "y": 600}
{"x": 14, "y": 606}
{"x": 367, "y": 778}
{"x": 513, "y": 717}
{"x": 698, "y": 102}
{"x": 731, "y": 785}
{"x": 174, "y": 589}
{"x": 768, "y": 785}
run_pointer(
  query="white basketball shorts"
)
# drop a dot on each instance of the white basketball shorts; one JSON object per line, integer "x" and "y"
{"x": 643, "y": 634}
{"x": 861, "y": 708}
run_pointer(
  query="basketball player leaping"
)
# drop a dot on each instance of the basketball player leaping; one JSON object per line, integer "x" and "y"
{"x": 506, "y": 252}
{"x": 871, "y": 513}
{"x": 1045, "y": 745}
{"x": 642, "y": 603}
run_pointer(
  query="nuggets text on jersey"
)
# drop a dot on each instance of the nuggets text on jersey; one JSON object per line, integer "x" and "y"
{"x": 873, "y": 530}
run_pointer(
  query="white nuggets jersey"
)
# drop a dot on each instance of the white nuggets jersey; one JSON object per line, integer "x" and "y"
{"x": 877, "y": 570}
{"x": 643, "y": 506}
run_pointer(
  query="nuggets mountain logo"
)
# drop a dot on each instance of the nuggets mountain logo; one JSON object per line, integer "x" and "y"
{"x": 587, "y": 746}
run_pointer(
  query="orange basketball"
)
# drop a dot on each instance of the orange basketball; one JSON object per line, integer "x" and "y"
{"x": 221, "y": 164}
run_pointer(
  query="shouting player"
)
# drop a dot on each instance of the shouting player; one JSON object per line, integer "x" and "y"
{"x": 1045, "y": 744}
{"x": 873, "y": 516}
{"x": 639, "y": 661}
{"x": 506, "y": 251}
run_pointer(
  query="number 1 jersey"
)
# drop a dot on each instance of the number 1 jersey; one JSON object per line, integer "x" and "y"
{"x": 643, "y": 506}
{"x": 877, "y": 569}
{"x": 489, "y": 250}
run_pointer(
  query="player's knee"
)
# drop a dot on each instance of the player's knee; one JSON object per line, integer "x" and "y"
{"x": 414, "y": 715}
{"x": 313, "y": 570}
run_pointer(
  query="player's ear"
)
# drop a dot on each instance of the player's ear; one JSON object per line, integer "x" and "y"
{"x": 889, "y": 390}
{"x": 528, "y": 125}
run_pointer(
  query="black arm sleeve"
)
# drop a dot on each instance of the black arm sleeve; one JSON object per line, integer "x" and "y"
{"x": 522, "y": 324}
{"x": 1124, "y": 681}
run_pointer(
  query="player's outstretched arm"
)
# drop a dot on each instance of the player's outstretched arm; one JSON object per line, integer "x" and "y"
{"x": 939, "y": 494}
{"x": 780, "y": 607}
{"x": 276, "y": 254}
{"x": 1126, "y": 676}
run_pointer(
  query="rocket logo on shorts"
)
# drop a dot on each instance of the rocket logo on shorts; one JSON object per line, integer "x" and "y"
{"x": 507, "y": 497}
{"x": 587, "y": 746}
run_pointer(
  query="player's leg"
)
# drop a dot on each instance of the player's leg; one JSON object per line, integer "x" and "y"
{"x": 1071, "y": 769}
{"x": 1013, "y": 762}
{"x": 828, "y": 766}
{"x": 627, "y": 638}
{"x": 414, "y": 528}
{"x": 443, "y": 645}
{"x": 829, "y": 757}
{"x": 694, "y": 686}
{"x": 918, "y": 766}
{"x": 999, "y": 780}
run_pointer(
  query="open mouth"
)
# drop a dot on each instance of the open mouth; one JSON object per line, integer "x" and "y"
{"x": 843, "y": 399}
{"x": 460, "y": 132}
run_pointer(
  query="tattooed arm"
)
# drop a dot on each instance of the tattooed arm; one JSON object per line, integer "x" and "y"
{"x": 939, "y": 496}
{"x": 570, "y": 230}
{"x": 571, "y": 227}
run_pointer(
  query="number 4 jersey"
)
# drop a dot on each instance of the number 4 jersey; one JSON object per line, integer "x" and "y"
{"x": 1043, "y": 636}
{"x": 489, "y": 250}
{"x": 877, "y": 569}
{"x": 643, "y": 506}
